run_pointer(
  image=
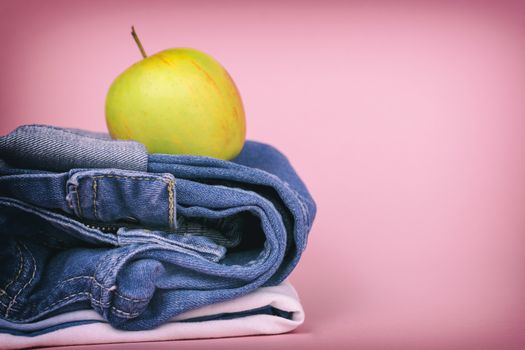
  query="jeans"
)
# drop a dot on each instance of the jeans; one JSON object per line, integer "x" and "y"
{"x": 88, "y": 222}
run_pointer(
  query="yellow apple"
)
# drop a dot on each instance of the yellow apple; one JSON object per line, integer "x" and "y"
{"x": 178, "y": 101}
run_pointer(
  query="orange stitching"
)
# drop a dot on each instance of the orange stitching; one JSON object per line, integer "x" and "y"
{"x": 170, "y": 186}
{"x": 95, "y": 197}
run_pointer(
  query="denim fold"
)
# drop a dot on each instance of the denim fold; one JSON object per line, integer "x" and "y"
{"x": 141, "y": 243}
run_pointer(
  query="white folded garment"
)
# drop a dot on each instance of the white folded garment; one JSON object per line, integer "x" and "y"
{"x": 268, "y": 310}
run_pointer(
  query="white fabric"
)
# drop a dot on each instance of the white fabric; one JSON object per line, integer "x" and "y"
{"x": 283, "y": 297}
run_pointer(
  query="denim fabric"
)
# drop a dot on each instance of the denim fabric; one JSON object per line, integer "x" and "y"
{"x": 49, "y": 148}
{"x": 141, "y": 247}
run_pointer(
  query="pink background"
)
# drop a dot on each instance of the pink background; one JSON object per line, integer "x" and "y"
{"x": 406, "y": 121}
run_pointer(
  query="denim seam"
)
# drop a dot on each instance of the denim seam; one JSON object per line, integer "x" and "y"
{"x": 125, "y": 314}
{"x": 95, "y": 198}
{"x": 110, "y": 267}
{"x": 15, "y": 278}
{"x": 93, "y": 301}
{"x": 113, "y": 263}
{"x": 296, "y": 194}
{"x": 186, "y": 247}
{"x": 99, "y": 301}
{"x": 102, "y": 286}
{"x": 102, "y": 304}
{"x": 170, "y": 187}
{"x": 304, "y": 209}
{"x": 13, "y": 302}
{"x": 115, "y": 309}
{"x": 78, "y": 201}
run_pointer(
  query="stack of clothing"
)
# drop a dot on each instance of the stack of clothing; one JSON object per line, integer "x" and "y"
{"x": 103, "y": 242}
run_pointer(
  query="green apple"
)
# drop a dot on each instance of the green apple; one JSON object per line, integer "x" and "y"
{"x": 178, "y": 101}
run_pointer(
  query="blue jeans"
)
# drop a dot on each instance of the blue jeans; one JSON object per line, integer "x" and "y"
{"x": 88, "y": 222}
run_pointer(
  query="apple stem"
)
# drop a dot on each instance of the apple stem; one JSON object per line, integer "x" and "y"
{"x": 138, "y": 42}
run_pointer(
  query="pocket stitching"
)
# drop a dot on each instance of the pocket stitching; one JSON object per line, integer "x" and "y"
{"x": 96, "y": 302}
{"x": 170, "y": 187}
{"x": 101, "y": 286}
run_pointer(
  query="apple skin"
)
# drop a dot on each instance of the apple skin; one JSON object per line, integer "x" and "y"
{"x": 178, "y": 101}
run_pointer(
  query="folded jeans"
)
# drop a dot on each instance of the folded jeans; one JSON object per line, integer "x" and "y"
{"x": 137, "y": 245}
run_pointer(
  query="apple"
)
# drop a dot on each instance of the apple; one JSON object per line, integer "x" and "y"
{"x": 177, "y": 101}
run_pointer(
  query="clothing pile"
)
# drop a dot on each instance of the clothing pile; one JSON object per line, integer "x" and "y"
{"x": 103, "y": 242}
